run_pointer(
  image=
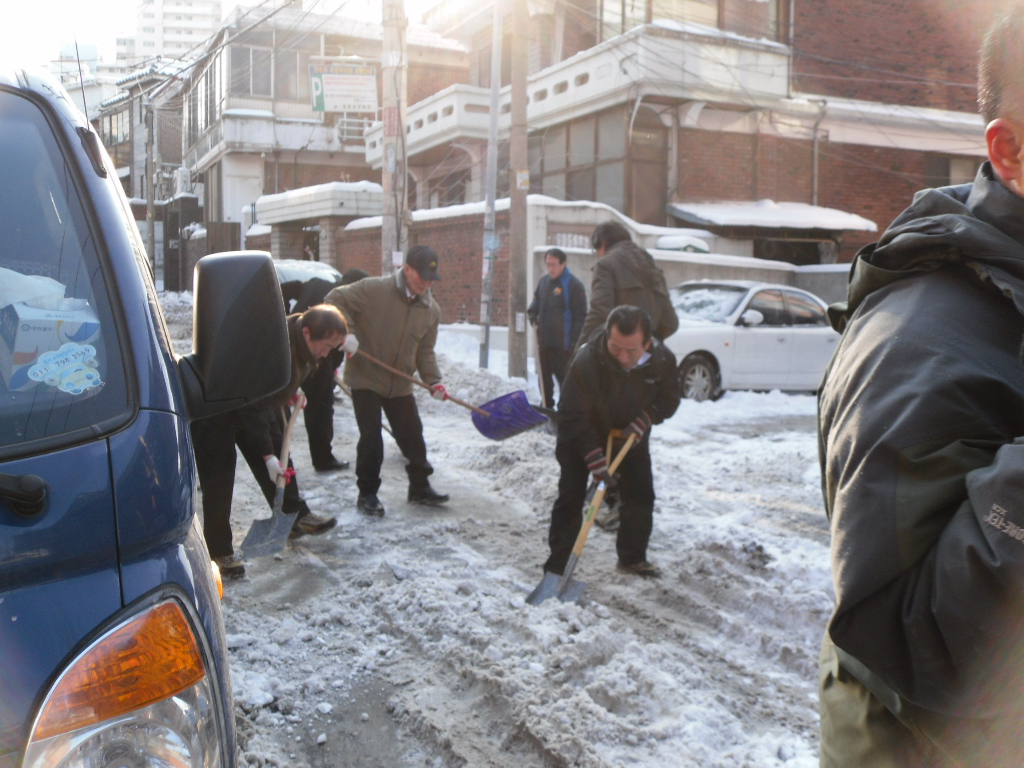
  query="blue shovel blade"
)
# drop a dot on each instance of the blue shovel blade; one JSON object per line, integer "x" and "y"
{"x": 509, "y": 415}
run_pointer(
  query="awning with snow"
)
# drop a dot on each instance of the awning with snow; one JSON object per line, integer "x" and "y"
{"x": 764, "y": 215}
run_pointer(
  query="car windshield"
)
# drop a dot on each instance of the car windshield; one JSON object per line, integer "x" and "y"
{"x": 710, "y": 303}
{"x": 60, "y": 362}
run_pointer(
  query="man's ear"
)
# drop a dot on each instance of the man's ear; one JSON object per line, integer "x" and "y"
{"x": 1004, "y": 152}
{"x": 647, "y": 346}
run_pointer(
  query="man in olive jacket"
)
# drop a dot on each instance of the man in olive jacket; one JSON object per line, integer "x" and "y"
{"x": 626, "y": 274}
{"x": 921, "y": 419}
{"x": 622, "y": 379}
{"x": 395, "y": 319}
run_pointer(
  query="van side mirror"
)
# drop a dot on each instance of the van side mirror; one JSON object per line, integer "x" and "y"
{"x": 751, "y": 317}
{"x": 240, "y": 350}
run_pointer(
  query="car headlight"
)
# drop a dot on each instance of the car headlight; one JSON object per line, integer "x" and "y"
{"x": 137, "y": 696}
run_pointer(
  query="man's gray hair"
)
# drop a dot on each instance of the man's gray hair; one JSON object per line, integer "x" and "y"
{"x": 1001, "y": 68}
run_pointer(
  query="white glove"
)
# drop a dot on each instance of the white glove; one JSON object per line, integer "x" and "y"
{"x": 350, "y": 345}
{"x": 274, "y": 467}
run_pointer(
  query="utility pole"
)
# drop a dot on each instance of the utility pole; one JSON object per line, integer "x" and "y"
{"x": 393, "y": 232}
{"x": 147, "y": 105}
{"x": 519, "y": 186}
{"x": 491, "y": 240}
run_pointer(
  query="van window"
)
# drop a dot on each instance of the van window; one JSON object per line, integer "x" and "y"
{"x": 61, "y": 370}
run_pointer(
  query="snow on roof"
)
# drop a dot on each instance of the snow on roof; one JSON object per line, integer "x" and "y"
{"x": 258, "y": 229}
{"x": 769, "y": 214}
{"x": 470, "y": 209}
{"x": 238, "y": 112}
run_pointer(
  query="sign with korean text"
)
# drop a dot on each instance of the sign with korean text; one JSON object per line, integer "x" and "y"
{"x": 343, "y": 88}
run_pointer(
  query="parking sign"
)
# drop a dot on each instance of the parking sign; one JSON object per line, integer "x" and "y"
{"x": 343, "y": 88}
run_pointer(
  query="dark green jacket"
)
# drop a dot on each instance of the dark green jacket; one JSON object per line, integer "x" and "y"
{"x": 390, "y": 328}
{"x": 921, "y": 419}
{"x": 627, "y": 274}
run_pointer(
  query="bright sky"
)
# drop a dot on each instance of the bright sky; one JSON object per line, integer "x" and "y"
{"x": 32, "y": 31}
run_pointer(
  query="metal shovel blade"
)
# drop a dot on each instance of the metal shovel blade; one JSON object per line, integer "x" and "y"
{"x": 549, "y": 587}
{"x": 509, "y": 415}
{"x": 270, "y": 534}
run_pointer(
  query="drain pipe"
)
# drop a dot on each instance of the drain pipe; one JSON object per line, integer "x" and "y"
{"x": 814, "y": 171}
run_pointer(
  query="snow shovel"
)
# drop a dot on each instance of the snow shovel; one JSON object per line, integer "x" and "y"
{"x": 564, "y": 587}
{"x": 496, "y": 419}
{"x": 270, "y": 534}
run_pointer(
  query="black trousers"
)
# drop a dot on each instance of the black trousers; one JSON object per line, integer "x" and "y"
{"x": 319, "y": 414}
{"x": 553, "y": 363}
{"x": 214, "y": 440}
{"x": 636, "y": 494}
{"x": 404, "y": 418}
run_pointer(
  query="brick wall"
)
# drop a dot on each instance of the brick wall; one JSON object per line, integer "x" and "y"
{"x": 426, "y": 80}
{"x": 876, "y": 183}
{"x": 919, "y": 52}
{"x": 457, "y": 241}
{"x": 873, "y": 182}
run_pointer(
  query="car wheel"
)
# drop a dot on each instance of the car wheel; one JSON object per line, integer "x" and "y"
{"x": 699, "y": 379}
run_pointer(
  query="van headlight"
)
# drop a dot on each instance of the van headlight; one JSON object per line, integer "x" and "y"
{"x": 138, "y": 696}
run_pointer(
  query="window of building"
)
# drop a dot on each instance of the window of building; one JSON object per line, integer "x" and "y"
{"x": 603, "y": 158}
{"x": 291, "y": 75}
{"x": 251, "y": 70}
{"x": 750, "y": 18}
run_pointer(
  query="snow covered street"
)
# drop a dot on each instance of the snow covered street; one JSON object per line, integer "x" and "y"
{"x": 407, "y": 640}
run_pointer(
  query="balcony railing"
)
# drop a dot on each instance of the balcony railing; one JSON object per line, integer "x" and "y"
{"x": 648, "y": 61}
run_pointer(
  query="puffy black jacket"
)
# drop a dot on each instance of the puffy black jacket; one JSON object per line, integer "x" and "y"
{"x": 598, "y": 395}
{"x": 921, "y": 419}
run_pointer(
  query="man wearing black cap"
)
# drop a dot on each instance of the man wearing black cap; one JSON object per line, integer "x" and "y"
{"x": 395, "y": 319}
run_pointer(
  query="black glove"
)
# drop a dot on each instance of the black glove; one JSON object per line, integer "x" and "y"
{"x": 597, "y": 463}
{"x": 638, "y": 427}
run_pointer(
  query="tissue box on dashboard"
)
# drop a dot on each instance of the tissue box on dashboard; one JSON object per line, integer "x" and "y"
{"x": 30, "y": 329}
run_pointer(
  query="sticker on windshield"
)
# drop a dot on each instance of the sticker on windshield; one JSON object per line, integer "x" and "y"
{"x": 71, "y": 369}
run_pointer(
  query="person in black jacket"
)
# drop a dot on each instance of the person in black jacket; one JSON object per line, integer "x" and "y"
{"x": 258, "y": 432}
{"x": 921, "y": 443}
{"x": 319, "y": 385}
{"x": 622, "y": 379}
{"x": 558, "y": 309}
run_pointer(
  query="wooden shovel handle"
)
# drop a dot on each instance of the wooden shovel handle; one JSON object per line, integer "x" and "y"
{"x": 286, "y": 440}
{"x": 414, "y": 380}
{"x": 598, "y": 500}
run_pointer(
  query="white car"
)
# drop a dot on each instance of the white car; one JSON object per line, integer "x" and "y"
{"x": 738, "y": 334}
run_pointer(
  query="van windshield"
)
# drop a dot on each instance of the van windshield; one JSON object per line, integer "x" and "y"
{"x": 60, "y": 363}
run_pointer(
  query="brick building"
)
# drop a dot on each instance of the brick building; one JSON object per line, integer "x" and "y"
{"x": 845, "y": 104}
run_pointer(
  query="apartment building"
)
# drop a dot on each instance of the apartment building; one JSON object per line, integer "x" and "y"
{"x": 675, "y": 111}
{"x": 172, "y": 28}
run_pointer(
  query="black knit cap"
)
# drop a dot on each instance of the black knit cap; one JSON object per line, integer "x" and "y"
{"x": 423, "y": 259}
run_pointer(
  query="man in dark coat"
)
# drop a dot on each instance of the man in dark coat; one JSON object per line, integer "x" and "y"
{"x": 921, "y": 419}
{"x": 626, "y": 274}
{"x": 622, "y": 379}
{"x": 557, "y": 311}
{"x": 258, "y": 431}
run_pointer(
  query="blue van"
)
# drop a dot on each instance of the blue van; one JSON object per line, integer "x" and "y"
{"x": 112, "y": 647}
